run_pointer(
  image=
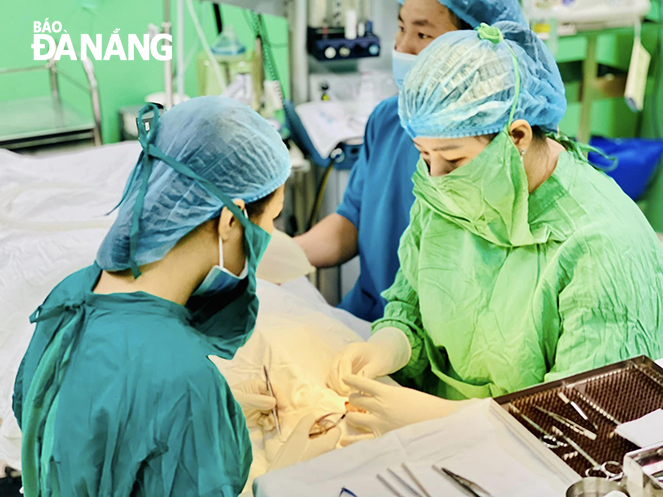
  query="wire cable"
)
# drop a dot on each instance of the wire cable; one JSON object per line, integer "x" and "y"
{"x": 320, "y": 195}
{"x": 208, "y": 50}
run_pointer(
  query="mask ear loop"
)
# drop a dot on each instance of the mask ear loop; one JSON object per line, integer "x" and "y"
{"x": 244, "y": 211}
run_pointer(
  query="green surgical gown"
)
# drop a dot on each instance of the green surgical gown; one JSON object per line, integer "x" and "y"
{"x": 485, "y": 319}
{"x": 140, "y": 410}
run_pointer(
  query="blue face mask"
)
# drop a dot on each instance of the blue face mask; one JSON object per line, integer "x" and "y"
{"x": 219, "y": 279}
{"x": 401, "y": 63}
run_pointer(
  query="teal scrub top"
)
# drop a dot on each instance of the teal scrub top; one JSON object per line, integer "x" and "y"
{"x": 377, "y": 201}
{"x": 140, "y": 409}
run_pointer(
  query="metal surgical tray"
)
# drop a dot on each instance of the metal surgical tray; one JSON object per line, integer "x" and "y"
{"x": 626, "y": 391}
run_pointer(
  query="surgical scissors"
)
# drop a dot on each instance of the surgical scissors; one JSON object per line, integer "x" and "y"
{"x": 597, "y": 469}
{"x": 546, "y": 438}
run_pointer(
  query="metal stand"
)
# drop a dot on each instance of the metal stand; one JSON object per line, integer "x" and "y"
{"x": 590, "y": 69}
{"x": 47, "y": 120}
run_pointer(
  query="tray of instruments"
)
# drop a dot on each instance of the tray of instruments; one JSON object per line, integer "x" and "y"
{"x": 586, "y": 408}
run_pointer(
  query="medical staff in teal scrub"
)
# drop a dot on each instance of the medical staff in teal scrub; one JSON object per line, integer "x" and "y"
{"x": 116, "y": 394}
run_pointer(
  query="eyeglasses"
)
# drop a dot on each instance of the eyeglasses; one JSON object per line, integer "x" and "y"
{"x": 325, "y": 423}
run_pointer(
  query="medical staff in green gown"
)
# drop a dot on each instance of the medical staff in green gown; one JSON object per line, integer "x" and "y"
{"x": 116, "y": 395}
{"x": 522, "y": 263}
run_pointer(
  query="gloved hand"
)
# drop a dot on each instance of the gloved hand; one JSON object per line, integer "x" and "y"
{"x": 299, "y": 447}
{"x": 390, "y": 407}
{"x": 387, "y": 351}
{"x": 256, "y": 403}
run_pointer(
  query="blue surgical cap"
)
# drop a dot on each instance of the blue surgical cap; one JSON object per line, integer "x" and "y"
{"x": 464, "y": 84}
{"x": 475, "y": 12}
{"x": 218, "y": 138}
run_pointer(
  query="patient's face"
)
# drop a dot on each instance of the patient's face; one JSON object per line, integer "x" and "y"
{"x": 271, "y": 211}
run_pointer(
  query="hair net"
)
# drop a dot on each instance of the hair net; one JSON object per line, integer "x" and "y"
{"x": 464, "y": 84}
{"x": 475, "y": 12}
{"x": 219, "y": 139}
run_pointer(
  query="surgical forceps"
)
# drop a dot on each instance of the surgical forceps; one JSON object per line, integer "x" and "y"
{"x": 576, "y": 408}
{"x": 466, "y": 484}
{"x": 596, "y": 469}
{"x": 572, "y": 425}
{"x": 270, "y": 389}
{"x": 596, "y": 407}
{"x": 546, "y": 438}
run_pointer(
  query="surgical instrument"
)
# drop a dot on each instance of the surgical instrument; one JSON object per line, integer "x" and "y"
{"x": 412, "y": 490}
{"x": 415, "y": 479}
{"x": 572, "y": 425}
{"x": 323, "y": 424}
{"x": 570, "y": 455}
{"x": 596, "y": 467}
{"x": 389, "y": 486}
{"x": 464, "y": 483}
{"x": 271, "y": 392}
{"x": 546, "y": 438}
{"x": 597, "y": 408}
{"x": 576, "y": 407}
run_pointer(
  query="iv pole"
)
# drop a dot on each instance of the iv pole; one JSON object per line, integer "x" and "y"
{"x": 168, "y": 65}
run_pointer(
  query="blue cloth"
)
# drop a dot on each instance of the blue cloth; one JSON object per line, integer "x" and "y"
{"x": 637, "y": 160}
{"x": 474, "y": 12}
{"x": 465, "y": 82}
{"x": 221, "y": 140}
{"x": 124, "y": 380}
{"x": 377, "y": 201}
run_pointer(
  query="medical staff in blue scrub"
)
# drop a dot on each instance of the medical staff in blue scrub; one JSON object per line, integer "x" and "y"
{"x": 376, "y": 206}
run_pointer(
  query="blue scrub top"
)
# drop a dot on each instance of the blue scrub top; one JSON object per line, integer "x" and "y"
{"x": 377, "y": 201}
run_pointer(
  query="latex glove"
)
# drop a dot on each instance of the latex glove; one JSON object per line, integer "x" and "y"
{"x": 299, "y": 447}
{"x": 387, "y": 351}
{"x": 256, "y": 403}
{"x": 390, "y": 407}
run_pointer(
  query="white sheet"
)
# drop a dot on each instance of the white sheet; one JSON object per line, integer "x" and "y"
{"x": 473, "y": 442}
{"x": 51, "y": 224}
{"x": 44, "y": 236}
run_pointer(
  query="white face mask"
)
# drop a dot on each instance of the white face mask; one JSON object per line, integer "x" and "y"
{"x": 401, "y": 63}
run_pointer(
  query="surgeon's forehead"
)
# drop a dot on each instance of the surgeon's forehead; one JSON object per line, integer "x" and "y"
{"x": 443, "y": 144}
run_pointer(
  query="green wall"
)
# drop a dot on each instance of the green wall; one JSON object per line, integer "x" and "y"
{"x": 611, "y": 117}
{"x": 126, "y": 83}
{"x": 121, "y": 83}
